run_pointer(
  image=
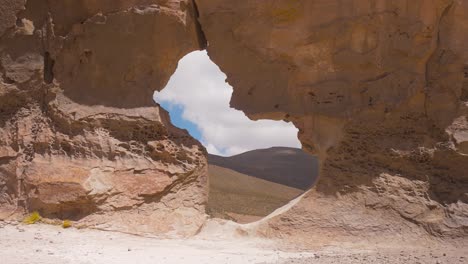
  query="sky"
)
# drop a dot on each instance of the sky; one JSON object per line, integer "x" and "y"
{"x": 197, "y": 98}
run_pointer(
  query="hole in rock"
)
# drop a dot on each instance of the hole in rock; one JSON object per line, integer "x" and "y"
{"x": 255, "y": 167}
{"x": 8, "y": 80}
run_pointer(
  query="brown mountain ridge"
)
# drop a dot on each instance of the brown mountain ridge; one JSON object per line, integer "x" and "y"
{"x": 287, "y": 166}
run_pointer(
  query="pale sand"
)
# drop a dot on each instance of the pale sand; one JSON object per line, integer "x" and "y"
{"x": 41, "y": 244}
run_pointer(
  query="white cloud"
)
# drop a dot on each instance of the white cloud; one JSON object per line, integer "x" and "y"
{"x": 199, "y": 86}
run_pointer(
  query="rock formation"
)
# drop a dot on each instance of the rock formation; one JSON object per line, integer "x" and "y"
{"x": 80, "y": 137}
{"x": 377, "y": 88}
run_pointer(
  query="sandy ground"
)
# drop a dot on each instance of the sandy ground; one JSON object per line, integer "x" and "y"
{"x": 38, "y": 244}
{"x": 50, "y": 244}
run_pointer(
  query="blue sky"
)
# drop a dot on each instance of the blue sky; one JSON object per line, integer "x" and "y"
{"x": 175, "y": 111}
{"x": 197, "y": 98}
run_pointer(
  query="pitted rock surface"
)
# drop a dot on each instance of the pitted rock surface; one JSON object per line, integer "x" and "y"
{"x": 80, "y": 137}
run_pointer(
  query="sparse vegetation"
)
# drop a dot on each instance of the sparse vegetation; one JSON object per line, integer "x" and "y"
{"x": 66, "y": 223}
{"x": 243, "y": 198}
{"x": 32, "y": 218}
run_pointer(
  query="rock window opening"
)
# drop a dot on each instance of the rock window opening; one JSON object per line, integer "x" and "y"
{"x": 255, "y": 167}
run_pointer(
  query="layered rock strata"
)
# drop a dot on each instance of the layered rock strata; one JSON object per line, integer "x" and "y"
{"x": 80, "y": 137}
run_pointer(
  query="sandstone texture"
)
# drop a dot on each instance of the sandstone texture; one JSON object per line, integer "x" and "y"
{"x": 80, "y": 137}
{"x": 378, "y": 89}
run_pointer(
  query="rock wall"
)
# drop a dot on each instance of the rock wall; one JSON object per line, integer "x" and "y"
{"x": 80, "y": 137}
{"x": 378, "y": 89}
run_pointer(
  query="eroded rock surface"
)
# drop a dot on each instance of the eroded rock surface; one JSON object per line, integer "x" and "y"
{"x": 377, "y": 90}
{"x": 80, "y": 137}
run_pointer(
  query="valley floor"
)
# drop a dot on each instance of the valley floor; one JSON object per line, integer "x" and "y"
{"x": 40, "y": 244}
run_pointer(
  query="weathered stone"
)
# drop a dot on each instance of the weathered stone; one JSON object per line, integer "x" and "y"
{"x": 81, "y": 138}
{"x": 8, "y": 10}
{"x": 377, "y": 90}
{"x": 142, "y": 57}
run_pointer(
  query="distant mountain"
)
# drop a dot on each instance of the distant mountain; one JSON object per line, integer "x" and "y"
{"x": 287, "y": 166}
